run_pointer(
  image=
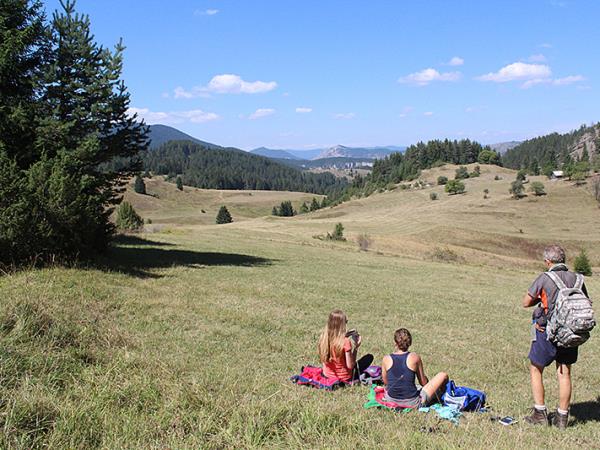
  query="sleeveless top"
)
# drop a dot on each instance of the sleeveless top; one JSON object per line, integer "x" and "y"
{"x": 401, "y": 380}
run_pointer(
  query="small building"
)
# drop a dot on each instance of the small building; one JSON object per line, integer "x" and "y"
{"x": 557, "y": 174}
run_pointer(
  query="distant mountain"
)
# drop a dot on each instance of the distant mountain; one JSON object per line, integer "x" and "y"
{"x": 160, "y": 134}
{"x": 503, "y": 147}
{"x": 341, "y": 151}
{"x": 273, "y": 153}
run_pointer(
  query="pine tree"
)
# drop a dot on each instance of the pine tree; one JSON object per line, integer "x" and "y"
{"x": 537, "y": 187}
{"x": 127, "y": 218}
{"x": 304, "y": 208}
{"x": 286, "y": 209}
{"x": 315, "y": 205}
{"x": 179, "y": 183}
{"x": 274, "y": 211}
{"x": 582, "y": 264}
{"x": 139, "y": 185}
{"x": 516, "y": 189}
{"x": 223, "y": 216}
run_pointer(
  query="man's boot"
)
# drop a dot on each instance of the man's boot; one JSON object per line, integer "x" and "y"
{"x": 537, "y": 417}
{"x": 559, "y": 420}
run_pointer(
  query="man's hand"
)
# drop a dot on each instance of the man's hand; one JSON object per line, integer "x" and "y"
{"x": 539, "y": 328}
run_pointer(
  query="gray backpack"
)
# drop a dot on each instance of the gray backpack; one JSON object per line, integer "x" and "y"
{"x": 573, "y": 317}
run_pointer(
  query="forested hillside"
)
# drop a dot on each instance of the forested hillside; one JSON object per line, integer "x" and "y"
{"x": 160, "y": 134}
{"x": 553, "y": 150}
{"x": 407, "y": 166}
{"x": 233, "y": 169}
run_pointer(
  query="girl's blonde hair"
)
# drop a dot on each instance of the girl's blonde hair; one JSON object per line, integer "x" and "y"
{"x": 331, "y": 342}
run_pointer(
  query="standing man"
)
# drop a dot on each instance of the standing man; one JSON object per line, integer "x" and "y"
{"x": 543, "y": 352}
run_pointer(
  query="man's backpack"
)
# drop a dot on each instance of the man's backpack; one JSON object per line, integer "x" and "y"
{"x": 573, "y": 317}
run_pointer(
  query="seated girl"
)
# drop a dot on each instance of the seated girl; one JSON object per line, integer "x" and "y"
{"x": 338, "y": 350}
{"x": 399, "y": 370}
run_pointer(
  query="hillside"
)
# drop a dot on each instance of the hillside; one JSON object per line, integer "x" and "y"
{"x": 229, "y": 168}
{"x": 503, "y": 147}
{"x": 341, "y": 151}
{"x": 273, "y": 153}
{"x": 160, "y": 134}
{"x": 554, "y": 150}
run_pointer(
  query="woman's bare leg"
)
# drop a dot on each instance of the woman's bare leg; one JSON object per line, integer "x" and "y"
{"x": 435, "y": 385}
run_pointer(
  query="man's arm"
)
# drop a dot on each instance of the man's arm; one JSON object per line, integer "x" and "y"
{"x": 528, "y": 301}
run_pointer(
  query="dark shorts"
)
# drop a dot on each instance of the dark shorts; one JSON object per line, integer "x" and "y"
{"x": 543, "y": 352}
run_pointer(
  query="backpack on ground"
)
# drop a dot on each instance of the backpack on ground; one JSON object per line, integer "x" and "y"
{"x": 371, "y": 375}
{"x": 573, "y": 316}
{"x": 463, "y": 398}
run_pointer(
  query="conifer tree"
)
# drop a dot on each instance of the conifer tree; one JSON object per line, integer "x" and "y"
{"x": 128, "y": 218}
{"x": 304, "y": 208}
{"x": 139, "y": 185}
{"x": 223, "y": 216}
{"x": 315, "y": 205}
{"x": 582, "y": 264}
{"x": 179, "y": 183}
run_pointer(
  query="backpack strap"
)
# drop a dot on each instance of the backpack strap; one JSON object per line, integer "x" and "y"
{"x": 579, "y": 281}
{"x": 557, "y": 281}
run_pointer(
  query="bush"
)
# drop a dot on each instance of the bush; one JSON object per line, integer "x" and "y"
{"x": 578, "y": 178}
{"x": 582, "y": 264}
{"x": 596, "y": 189}
{"x": 364, "y": 242}
{"x": 223, "y": 216}
{"x": 127, "y": 218}
{"x": 537, "y": 187}
{"x": 497, "y": 178}
{"x": 139, "y": 186}
{"x": 521, "y": 175}
{"x": 442, "y": 180}
{"x": 516, "y": 189}
{"x": 433, "y": 196}
{"x": 486, "y": 191}
{"x": 338, "y": 233}
{"x": 455, "y": 187}
{"x": 445, "y": 254}
{"x": 461, "y": 173}
{"x": 179, "y": 183}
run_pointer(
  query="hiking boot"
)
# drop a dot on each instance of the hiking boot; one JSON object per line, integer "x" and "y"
{"x": 537, "y": 417}
{"x": 559, "y": 421}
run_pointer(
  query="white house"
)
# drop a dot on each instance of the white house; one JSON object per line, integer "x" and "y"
{"x": 556, "y": 174}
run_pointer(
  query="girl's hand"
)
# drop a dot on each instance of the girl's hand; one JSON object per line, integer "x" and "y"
{"x": 358, "y": 341}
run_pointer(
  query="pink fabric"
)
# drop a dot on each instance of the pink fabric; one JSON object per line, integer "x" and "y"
{"x": 380, "y": 395}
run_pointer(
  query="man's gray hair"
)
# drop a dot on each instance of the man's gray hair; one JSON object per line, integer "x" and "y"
{"x": 555, "y": 254}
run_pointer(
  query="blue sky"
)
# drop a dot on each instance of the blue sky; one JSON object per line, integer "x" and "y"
{"x": 305, "y": 74}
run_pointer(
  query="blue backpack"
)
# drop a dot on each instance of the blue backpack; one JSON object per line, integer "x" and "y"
{"x": 463, "y": 398}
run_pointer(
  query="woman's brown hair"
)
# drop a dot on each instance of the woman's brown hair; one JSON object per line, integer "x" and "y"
{"x": 403, "y": 339}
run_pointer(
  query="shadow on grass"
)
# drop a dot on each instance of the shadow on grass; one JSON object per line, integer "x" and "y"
{"x": 586, "y": 411}
{"x": 141, "y": 260}
{"x": 130, "y": 239}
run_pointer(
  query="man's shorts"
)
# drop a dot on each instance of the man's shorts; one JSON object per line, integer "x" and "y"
{"x": 543, "y": 352}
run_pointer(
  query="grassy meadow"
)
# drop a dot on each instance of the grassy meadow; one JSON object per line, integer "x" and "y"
{"x": 185, "y": 336}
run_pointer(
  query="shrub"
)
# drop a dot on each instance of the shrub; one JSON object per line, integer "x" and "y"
{"x": 578, "y": 178}
{"x": 455, "y": 187}
{"x": 516, "y": 189}
{"x": 139, "y": 186}
{"x": 127, "y": 218}
{"x": 433, "y": 196}
{"x": 486, "y": 191}
{"x": 314, "y": 204}
{"x": 338, "y": 233}
{"x": 442, "y": 180}
{"x": 521, "y": 175}
{"x": 223, "y": 216}
{"x": 582, "y": 264}
{"x": 461, "y": 173}
{"x": 497, "y": 178}
{"x": 285, "y": 209}
{"x": 364, "y": 241}
{"x": 179, "y": 183}
{"x": 274, "y": 211}
{"x": 445, "y": 254}
{"x": 304, "y": 208}
{"x": 596, "y": 189}
{"x": 537, "y": 187}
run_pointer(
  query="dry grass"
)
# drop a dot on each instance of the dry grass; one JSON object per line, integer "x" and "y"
{"x": 187, "y": 338}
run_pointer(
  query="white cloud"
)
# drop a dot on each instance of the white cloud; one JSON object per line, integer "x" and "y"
{"x": 303, "y": 110}
{"x": 405, "y": 111}
{"x": 226, "y": 84}
{"x": 564, "y": 81}
{"x": 344, "y": 116}
{"x": 426, "y": 76}
{"x": 545, "y": 45}
{"x": 537, "y": 58}
{"x": 428, "y": 113}
{"x": 456, "y": 61}
{"x": 173, "y": 117}
{"x": 206, "y": 12}
{"x": 261, "y": 112}
{"x": 518, "y": 71}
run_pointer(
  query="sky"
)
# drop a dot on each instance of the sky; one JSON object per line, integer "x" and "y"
{"x": 312, "y": 74}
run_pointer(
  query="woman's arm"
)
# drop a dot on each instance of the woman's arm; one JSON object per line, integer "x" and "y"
{"x": 385, "y": 365}
{"x": 418, "y": 363}
{"x": 351, "y": 353}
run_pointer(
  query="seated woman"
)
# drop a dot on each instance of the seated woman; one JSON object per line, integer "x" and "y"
{"x": 338, "y": 350}
{"x": 399, "y": 370}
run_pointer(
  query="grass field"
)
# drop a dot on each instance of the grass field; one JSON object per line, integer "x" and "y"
{"x": 187, "y": 337}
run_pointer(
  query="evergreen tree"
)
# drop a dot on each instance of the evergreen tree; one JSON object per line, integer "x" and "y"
{"x": 582, "y": 264}
{"x": 516, "y": 189}
{"x": 585, "y": 156}
{"x": 274, "y": 211}
{"x": 338, "y": 233}
{"x": 521, "y": 175}
{"x": 223, "y": 216}
{"x": 127, "y": 218}
{"x": 286, "y": 209}
{"x": 461, "y": 173}
{"x": 304, "y": 208}
{"x": 315, "y": 204}
{"x": 537, "y": 187}
{"x": 63, "y": 115}
{"x": 179, "y": 183}
{"x": 139, "y": 185}
{"x": 441, "y": 180}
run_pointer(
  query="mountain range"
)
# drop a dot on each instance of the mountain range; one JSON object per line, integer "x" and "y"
{"x": 337, "y": 151}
